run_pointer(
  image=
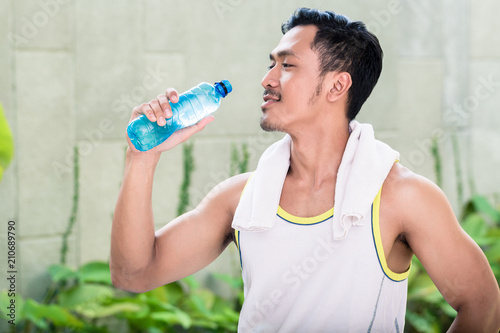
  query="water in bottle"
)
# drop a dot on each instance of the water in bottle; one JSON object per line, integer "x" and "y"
{"x": 193, "y": 105}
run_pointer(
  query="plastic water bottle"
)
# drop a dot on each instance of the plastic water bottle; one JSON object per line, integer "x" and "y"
{"x": 193, "y": 105}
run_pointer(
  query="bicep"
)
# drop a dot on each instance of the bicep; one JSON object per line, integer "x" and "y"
{"x": 452, "y": 259}
{"x": 193, "y": 240}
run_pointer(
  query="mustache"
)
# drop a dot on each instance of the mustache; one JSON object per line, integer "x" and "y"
{"x": 269, "y": 92}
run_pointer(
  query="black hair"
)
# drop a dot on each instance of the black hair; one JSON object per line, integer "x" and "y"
{"x": 343, "y": 45}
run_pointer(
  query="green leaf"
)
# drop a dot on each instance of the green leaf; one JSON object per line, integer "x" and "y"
{"x": 206, "y": 323}
{"x": 482, "y": 205}
{"x": 159, "y": 294}
{"x": 94, "y": 310}
{"x": 140, "y": 301}
{"x": 174, "y": 292}
{"x": 475, "y": 226}
{"x": 41, "y": 314}
{"x": 233, "y": 282}
{"x": 423, "y": 288}
{"x": 424, "y": 323}
{"x": 5, "y": 301}
{"x": 61, "y": 273}
{"x": 6, "y": 143}
{"x": 447, "y": 309}
{"x": 493, "y": 253}
{"x": 191, "y": 282}
{"x": 82, "y": 294}
{"x": 95, "y": 272}
{"x": 177, "y": 317}
{"x": 202, "y": 300}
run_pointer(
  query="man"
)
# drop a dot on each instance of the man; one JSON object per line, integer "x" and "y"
{"x": 306, "y": 268}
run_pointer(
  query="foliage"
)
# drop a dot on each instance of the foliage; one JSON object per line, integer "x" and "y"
{"x": 188, "y": 168}
{"x": 84, "y": 300}
{"x": 438, "y": 169}
{"x": 6, "y": 143}
{"x": 427, "y": 311}
{"x": 74, "y": 208}
{"x": 239, "y": 163}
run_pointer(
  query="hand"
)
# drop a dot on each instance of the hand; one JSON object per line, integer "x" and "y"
{"x": 157, "y": 110}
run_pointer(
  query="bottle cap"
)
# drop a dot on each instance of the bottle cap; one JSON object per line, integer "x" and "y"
{"x": 224, "y": 87}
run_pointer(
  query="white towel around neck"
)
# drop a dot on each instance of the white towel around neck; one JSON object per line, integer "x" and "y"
{"x": 365, "y": 164}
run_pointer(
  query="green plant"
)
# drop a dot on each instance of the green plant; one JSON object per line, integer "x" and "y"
{"x": 239, "y": 163}
{"x": 85, "y": 301}
{"x": 6, "y": 143}
{"x": 74, "y": 205}
{"x": 438, "y": 170}
{"x": 188, "y": 168}
{"x": 458, "y": 168}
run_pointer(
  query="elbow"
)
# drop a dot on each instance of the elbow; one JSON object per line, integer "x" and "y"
{"x": 494, "y": 312}
{"x": 496, "y": 315}
{"x": 127, "y": 281}
{"x": 491, "y": 312}
{"x": 481, "y": 314}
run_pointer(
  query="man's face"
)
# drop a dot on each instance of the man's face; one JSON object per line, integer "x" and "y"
{"x": 292, "y": 84}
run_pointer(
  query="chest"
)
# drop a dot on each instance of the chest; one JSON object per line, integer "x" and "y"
{"x": 297, "y": 247}
{"x": 306, "y": 200}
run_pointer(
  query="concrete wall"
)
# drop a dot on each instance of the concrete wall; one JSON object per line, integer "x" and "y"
{"x": 71, "y": 71}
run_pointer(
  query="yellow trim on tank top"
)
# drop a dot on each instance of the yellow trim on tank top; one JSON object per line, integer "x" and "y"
{"x": 304, "y": 220}
{"x": 236, "y": 234}
{"x": 378, "y": 243}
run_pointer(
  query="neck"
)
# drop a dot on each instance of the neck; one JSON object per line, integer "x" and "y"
{"x": 316, "y": 155}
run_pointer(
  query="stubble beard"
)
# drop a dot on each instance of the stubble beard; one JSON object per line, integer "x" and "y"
{"x": 269, "y": 126}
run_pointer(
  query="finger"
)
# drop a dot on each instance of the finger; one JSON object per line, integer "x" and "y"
{"x": 165, "y": 105}
{"x": 172, "y": 95}
{"x": 187, "y": 132}
{"x": 144, "y": 109}
{"x": 204, "y": 122}
{"x": 159, "y": 114}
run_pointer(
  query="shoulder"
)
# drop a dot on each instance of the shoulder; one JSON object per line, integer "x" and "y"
{"x": 226, "y": 195}
{"x": 411, "y": 190}
{"x": 416, "y": 202}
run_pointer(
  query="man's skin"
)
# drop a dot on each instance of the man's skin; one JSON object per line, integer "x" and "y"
{"x": 415, "y": 216}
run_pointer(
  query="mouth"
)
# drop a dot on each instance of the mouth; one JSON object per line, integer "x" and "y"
{"x": 270, "y": 98}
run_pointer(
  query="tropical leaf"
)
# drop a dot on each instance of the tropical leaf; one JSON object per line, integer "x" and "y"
{"x": 84, "y": 293}
{"x": 172, "y": 318}
{"x": 61, "y": 273}
{"x": 41, "y": 315}
{"x": 94, "y": 310}
{"x": 95, "y": 272}
{"x": 6, "y": 143}
{"x": 482, "y": 205}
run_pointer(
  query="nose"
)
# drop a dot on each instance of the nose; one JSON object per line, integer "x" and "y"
{"x": 270, "y": 79}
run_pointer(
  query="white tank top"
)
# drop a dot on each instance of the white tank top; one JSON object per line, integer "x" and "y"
{"x": 298, "y": 279}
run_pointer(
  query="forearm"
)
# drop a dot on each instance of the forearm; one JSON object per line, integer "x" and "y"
{"x": 132, "y": 233}
{"x": 472, "y": 319}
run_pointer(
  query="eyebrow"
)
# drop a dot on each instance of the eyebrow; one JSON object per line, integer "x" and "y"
{"x": 283, "y": 53}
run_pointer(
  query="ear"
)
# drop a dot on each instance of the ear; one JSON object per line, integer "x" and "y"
{"x": 339, "y": 85}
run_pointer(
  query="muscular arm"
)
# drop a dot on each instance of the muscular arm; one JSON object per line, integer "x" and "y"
{"x": 142, "y": 259}
{"x": 452, "y": 259}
